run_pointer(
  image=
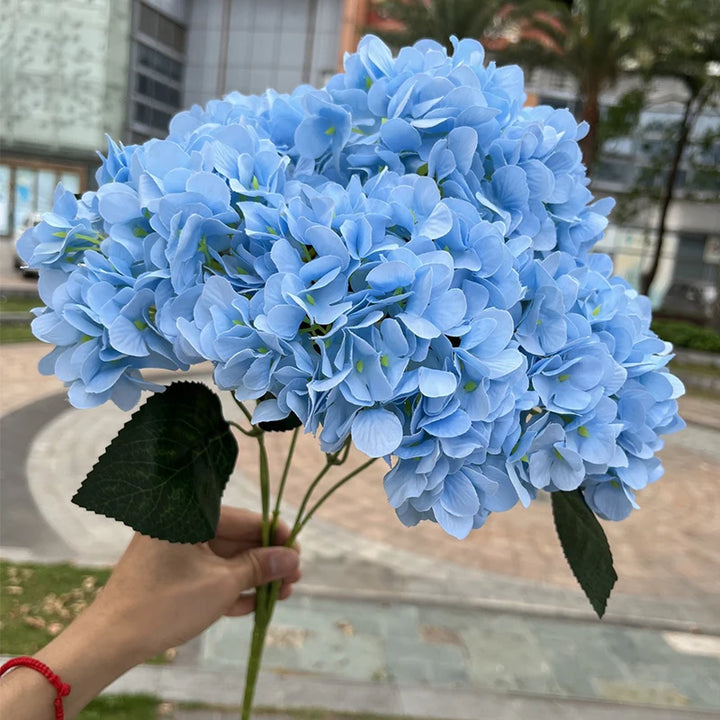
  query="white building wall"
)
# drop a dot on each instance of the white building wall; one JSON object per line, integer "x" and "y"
{"x": 63, "y": 72}
{"x": 274, "y": 43}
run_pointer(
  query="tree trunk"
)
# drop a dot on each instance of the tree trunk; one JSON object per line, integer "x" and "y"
{"x": 693, "y": 107}
{"x": 590, "y": 114}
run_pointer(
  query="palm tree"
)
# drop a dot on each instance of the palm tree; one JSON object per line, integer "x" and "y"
{"x": 595, "y": 41}
{"x": 402, "y": 22}
{"x": 687, "y": 48}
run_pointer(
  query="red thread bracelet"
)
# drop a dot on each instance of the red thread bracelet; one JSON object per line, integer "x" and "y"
{"x": 62, "y": 688}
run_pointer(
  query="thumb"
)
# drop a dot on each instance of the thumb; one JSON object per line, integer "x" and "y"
{"x": 263, "y": 565}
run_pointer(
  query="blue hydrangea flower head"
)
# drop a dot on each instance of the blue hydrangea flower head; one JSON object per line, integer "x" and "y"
{"x": 402, "y": 258}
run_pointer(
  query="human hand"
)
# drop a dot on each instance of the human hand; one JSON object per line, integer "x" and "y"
{"x": 167, "y": 593}
{"x": 160, "y": 595}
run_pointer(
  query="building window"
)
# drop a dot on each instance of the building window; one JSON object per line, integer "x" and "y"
{"x": 158, "y": 62}
{"x": 616, "y": 170}
{"x": 157, "y": 66}
{"x": 151, "y": 116}
{"x": 157, "y": 90}
{"x": 28, "y": 190}
{"x": 159, "y": 27}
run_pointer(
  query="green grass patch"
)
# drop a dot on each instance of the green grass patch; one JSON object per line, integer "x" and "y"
{"x": 39, "y": 601}
{"x": 15, "y": 333}
{"x": 18, "y": 304}
{"x": 702, "y": 394}
{"x": 121, "y": 707}
{"x": 686, "y": 335}
{"x": 685, "y": 369}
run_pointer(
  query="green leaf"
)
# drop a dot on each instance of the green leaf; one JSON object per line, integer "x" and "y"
{"x": 165, "y": 472}
{"x": 585, "y": 546}
{"x": 291, "y": 422}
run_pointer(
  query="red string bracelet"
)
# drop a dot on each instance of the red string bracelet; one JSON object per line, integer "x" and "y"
{"x": 62, "y": 688}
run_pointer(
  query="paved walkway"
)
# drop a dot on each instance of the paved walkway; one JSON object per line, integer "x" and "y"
{"x": 390, "y": 619}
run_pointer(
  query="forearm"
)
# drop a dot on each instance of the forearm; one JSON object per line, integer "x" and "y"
{"x": 160, "y": 595}
{"x": 91, "y": 653}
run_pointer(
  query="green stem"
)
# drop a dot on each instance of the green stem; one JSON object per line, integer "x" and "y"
{"x": 283, "y": 480}
{"x": 263, "y": 614}
{"x": 243, "y": 409}
{"x": 263, "y": 606}
{"x": 266, "y": 596}
{"x": 342, "y": 454}
{"x": 264, "y": 490}
{"x": 250, "y": 433}
{"x": 300, "y": 521}
{"x": 331, "y": 459}
{"x": 313, "y": 485}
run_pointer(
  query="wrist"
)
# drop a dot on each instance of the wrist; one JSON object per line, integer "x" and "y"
{"x": 90, "y": 654}
{"x": 113, "y": 638}
{"x": 20, "y": 683}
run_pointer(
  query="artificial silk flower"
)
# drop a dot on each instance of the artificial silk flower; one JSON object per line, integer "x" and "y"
{"x": 403, "y": 258}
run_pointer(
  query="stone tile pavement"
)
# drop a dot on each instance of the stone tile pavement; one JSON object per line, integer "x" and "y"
{"x": 412, "y": 621}
{"x": 405, "y": 644}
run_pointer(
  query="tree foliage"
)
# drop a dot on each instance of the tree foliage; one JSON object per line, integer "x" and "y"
{"x": 411, "y": 20}
{"x": 685, "y": 36}
{"x": 594, "y": 41}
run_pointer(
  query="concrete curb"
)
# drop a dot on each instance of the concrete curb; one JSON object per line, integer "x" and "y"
{"x": 697, "y": 357}
{"x": 509, "y": 607}
{"x": 545, "y": 610}
{"x": 16, "y": 318}
{"x": 223, "y": 689}
{"x": 698, "y": 381}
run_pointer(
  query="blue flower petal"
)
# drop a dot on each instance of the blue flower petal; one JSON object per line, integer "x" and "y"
{"x": 376, "y": 432}
{"x": 459, "y": 496}
{"x": 436, "y": 383}
{"x": 389, "y": 276}
{"x": 458, "y": 527}
{"x": 399, "y": 135}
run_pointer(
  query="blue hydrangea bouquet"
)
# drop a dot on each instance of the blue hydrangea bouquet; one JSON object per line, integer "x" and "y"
{"x": 402, "y": 261}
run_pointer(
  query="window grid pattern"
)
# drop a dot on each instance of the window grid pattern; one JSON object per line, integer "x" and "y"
{"x": 157, "y": 68}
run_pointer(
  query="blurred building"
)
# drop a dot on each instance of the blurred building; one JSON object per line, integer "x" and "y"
{"x": 73, "y": 71}
{"x": 63, "y": 85}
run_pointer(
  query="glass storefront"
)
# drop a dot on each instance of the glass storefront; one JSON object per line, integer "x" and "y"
{"x": 4, "y": 200}
{"x": 28, "y": 190}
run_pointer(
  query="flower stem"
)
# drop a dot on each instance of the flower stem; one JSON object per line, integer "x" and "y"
{"x": 243, "y": 409}
{"x": 266, "y": 596}
{"x": 264, "y": 490}
{"x": 309, "y": 492}
{"x": 331, "y": 459}
{"x": 301, "y": 521}
{"x": 250, "y": 433}
{"x": 263, "y": 615}
{"x": 283, "y": 480}
{"x": 263, "y": 593}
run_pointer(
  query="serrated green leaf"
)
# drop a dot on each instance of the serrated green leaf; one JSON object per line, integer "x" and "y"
{"x": 291, "y": 422}
{"x": 166, "y": 470}
{"x": 585, "y": 546}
